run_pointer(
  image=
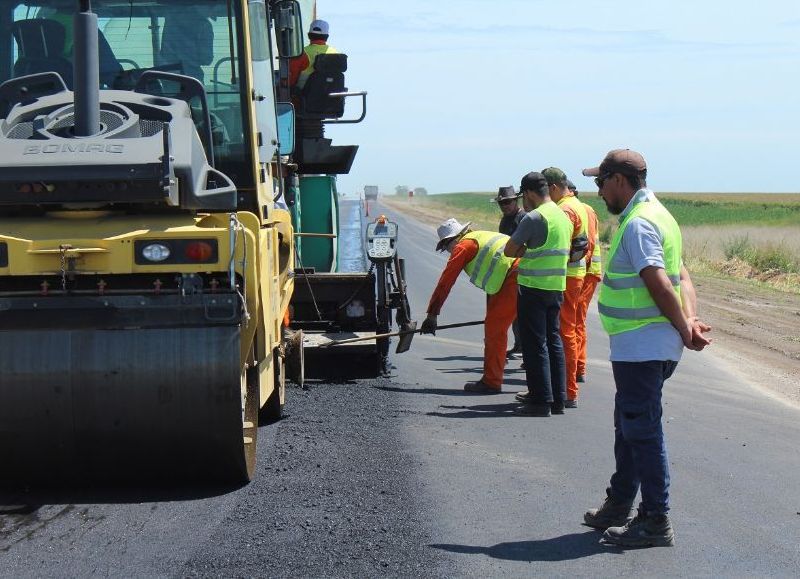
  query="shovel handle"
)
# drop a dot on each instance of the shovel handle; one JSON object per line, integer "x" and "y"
{"x": 401, "y": 333}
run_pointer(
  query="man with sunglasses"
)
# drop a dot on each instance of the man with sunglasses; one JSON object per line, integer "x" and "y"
{"x": 647, "y": 305}
{"x": 507, "y": 200}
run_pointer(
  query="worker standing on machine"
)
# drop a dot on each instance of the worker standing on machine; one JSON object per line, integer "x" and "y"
{"x": 507, "y": 200}
{"x": 594, "y": 273}
{"x": 480, "y": 255}
{"x": 300, "y": 68}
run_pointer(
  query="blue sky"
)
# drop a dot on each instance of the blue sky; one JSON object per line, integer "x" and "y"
{"x": 469, "y": 95}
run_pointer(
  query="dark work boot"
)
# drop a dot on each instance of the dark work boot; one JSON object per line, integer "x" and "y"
{"x": 534, "y": 409}
{"x": 523, "y": 396}
{"x": 645, "y": 530}
{"x": 611, "y": 514}
{"x": 557, "y": 408}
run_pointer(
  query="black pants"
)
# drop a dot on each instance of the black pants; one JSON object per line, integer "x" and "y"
{"x": 542, "y": 350}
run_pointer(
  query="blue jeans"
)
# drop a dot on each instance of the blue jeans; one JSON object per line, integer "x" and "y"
{"x": 639, "y": 446}
{"x": 542, "y": 350}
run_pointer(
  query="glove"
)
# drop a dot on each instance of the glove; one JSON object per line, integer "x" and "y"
{"x": 429, "y": 326}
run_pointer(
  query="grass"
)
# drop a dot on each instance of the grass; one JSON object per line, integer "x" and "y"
{"x": 738, "y": 234}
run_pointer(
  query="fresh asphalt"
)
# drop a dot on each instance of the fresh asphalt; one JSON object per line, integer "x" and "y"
{"x": 411, "y": 477}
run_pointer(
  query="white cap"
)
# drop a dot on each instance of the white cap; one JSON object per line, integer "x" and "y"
{"x": 449, "y": 229}
{"x": 318, "y": 27}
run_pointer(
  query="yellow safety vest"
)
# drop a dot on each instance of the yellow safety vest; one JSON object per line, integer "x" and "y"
{"x": 489, "y": 268}
{"x": 545, "y": 267}
{"x": 595, "y": 266}
{"x": 625, "y": 303}
{"x": 312, "y": 51}
{"x": 576, "y": 268}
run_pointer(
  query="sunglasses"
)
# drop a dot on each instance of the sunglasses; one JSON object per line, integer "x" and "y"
{"x": 600, "y": 181}
{"x": 507, "y": 201}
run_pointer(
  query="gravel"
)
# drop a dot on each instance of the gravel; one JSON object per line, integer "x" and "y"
{"x": 336, "y": 495}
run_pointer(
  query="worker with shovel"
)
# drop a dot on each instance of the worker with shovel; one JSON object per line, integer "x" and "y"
{"x": 480, "y": 255}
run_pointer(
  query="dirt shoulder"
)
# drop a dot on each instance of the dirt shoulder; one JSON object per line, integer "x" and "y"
{"x": 756, "y": 329}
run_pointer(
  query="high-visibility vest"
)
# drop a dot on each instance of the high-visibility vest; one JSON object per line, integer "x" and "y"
{"x": 625, "y": 303}
{"x": 576, "y": 268}
{"x": 312, "y": 51}
{"x": 595, "y": 265}
{"x": 489, "y": 268}
{"x": 545, "y": 267}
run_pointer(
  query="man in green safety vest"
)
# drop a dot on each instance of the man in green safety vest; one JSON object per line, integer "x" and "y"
{"x": 542, "y": 241}
{"x": 480, "y": 255}
{"x": 647, "y": 305}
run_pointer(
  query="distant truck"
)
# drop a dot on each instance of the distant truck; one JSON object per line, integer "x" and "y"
{"x": 370, "y": 192}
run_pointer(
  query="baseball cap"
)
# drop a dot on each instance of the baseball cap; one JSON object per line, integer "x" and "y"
{"x": 534, "y": 181}
{"x": 554, "y": 176}
{"x": 318, "y": 27}
{"x": 622, "y": 161}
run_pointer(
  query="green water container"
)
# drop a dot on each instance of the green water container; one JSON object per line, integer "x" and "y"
{"x": 318, "y": 212}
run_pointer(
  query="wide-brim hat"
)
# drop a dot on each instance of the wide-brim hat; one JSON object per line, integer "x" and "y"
{"x": 506, "y": 193}
{"x": 448, "y": 230}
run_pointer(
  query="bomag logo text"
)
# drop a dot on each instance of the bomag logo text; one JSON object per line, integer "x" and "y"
{"x": 73, "y": 148}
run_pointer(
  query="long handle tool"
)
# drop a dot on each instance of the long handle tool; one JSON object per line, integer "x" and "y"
{"x": 405, "y": 336}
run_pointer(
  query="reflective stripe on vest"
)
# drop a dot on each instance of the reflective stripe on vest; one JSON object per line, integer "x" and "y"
{"x": 312, "y": 51}
{"x": 625, "y": 303}
{"x": 576, "y": 268}
{"x": 545, "y": 267}
{"x": 489, "y": 268}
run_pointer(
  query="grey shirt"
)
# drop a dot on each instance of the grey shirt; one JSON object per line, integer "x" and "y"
{"x": 531, "y": 231}
{"x": 642, "y": 246}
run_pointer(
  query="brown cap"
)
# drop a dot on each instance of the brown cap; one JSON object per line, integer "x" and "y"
{"x": 622, "y": 161}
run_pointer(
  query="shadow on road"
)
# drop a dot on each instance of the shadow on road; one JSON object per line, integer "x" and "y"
{"x": 454, "y": 358}
{"x": 28, "y": 500}
{"x": 437, "y": 391}
{"x": 478, "y": 411}
{"x": 563, "y": 548}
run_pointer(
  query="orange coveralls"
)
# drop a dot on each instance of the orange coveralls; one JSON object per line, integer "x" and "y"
{"x": 501, "y": 309}
{"x": 568, "y": 318}
{"x": 589, "y": 284}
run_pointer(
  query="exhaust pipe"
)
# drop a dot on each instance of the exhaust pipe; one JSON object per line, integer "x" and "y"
{"x": 86, "y": 71}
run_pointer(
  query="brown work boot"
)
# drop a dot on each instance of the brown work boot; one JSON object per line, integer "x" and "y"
{"x": 612, "y": 513}
{"x": 481, "y": 387}
{"x": 645, "y": 530}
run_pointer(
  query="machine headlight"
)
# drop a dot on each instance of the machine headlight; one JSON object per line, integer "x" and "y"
{"x": 156, "y": 252}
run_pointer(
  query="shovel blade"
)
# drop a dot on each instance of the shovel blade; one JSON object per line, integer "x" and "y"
{"x": 404, "y": 343}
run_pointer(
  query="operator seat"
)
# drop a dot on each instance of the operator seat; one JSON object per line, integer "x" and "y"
{"x": 187, "y": 40}
{"x": 327, "y": 78}
{"x": 41, "y": 48}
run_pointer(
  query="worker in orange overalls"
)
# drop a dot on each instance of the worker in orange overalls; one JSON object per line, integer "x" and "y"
{"x": 594, "y": 273}
{"x": 576, "y": 272}
{"x": 480, "y": 255}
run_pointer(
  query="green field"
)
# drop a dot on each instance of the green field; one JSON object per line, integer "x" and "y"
{"x": 688, "y": 209}
{"x": 720, "y": 230}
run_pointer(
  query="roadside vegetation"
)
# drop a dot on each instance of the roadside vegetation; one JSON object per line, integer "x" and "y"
{"x": 741, "y": 235}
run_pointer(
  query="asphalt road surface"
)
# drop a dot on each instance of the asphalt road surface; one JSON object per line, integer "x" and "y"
{"x": 411, "y": 477}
